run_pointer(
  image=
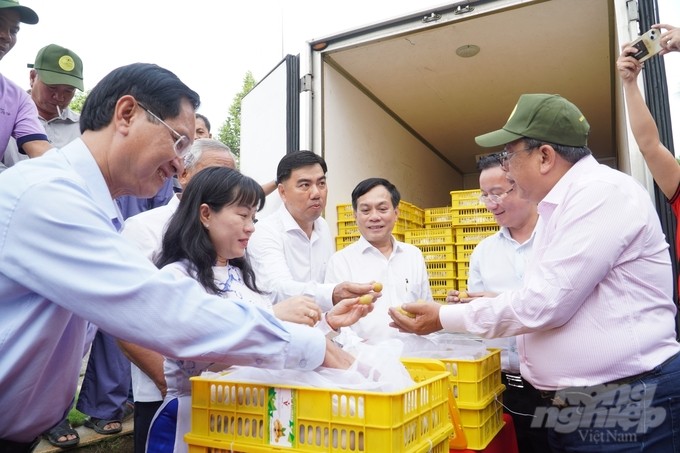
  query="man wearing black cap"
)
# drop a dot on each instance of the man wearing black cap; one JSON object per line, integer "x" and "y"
{"x": 56, "y": 74}
{"x": 596, "y": 313}
{"x": 19, "y": 115}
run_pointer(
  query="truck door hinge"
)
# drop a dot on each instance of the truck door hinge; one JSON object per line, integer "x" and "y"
{"x": 306, "y": 83}
{"x": 632, "y": 7}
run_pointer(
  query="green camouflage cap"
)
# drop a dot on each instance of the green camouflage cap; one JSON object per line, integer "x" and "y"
{"x": 544, "y": 117}
{"x": 58, "y": 65}
{"x": 26, "y": 15}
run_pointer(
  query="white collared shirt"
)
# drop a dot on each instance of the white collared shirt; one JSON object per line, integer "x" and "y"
{"x": 287, "y": 263}
{"x": 403, "y": 275}
{"x": 497, "y": 264}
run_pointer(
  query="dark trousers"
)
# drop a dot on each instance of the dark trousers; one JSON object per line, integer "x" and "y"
{"x": 7, "y": 446}
{"x": 144, "y": 412}
{"x": 107, "y": 380}
{"x": 521, "y": 400}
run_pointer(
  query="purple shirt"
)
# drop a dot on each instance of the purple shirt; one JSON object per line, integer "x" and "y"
{"x": 597, "y": 301}
{"x": 18, "y": 116}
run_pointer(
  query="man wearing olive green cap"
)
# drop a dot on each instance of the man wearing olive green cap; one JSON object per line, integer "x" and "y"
{"x": 57, "y": 73}
{"x": 596, "y": 312}
{"x": 19, "y": 115}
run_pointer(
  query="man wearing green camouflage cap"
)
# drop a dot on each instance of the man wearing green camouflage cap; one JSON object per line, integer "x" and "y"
{"x": 595, "y": 313}
{"x": 19, "y": 115}
{"x": 57, "y": 73}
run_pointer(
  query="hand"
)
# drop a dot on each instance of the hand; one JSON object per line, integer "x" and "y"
{"x": 670, "y": 39}
{"x": 298, "y": 309}
{"x": 336, "y": 357}
{"x": 348, "y": 311}
{"x": 425, "y": 322}
{"x": 628, "y": 67}
{"x": 348, "y": 290}
{"x": 463, "y": 297}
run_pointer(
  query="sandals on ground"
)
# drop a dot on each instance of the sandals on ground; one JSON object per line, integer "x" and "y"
{"x": 99, "y": 424}
{"x": 63, "y": 429}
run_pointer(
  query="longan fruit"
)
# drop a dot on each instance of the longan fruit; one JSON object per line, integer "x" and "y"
{"x": 366, "y": 299}
{"x": 406, "y": 313}
{"x": 463, "y": 295}
{"x": 377, "y": 287}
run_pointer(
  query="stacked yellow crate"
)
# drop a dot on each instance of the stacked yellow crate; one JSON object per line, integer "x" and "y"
{"x": 471, "y": 222}
{"x": 410, "y": 216}
{"x": 438, "y": 249}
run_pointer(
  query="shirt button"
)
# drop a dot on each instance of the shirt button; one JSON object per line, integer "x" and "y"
{"x": 258, "y": 361}
{"x": 303, "y": 363}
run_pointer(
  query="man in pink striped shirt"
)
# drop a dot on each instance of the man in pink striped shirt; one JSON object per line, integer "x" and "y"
{"x": 595, "y": 316}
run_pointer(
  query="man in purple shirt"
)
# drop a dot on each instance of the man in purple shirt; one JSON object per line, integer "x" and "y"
{"x": 595, "y": 315}
{"x": 18, "y": 115}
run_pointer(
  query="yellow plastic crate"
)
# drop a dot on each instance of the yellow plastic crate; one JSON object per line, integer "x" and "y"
{"x": 426, "y": 236}
{"x": 462, "y": 268}
{"x": 463, "y": 199}
{"x": 246, "y": 417}
{"x": 410, "y": 212}
{"x": 438, "y": 216}
{"x": 482, "y": 422}
{"x": 473, "y": 234}
{"x": 461, "y": 284}
{"x": 441, "y": 269}
{"x": 474, "y": 380}
{"x": 437, "y": 252}
{"x": 348, "y": 228}
{"x": 464, "y": 251}
{"x": 345, "y": 212}
{"x": 343, "y": 241}
{"x": 203, "y": 445}
{"x": 472, "y": 216}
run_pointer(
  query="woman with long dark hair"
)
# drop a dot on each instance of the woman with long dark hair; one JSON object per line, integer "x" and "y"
{"x": 206, "y": 239}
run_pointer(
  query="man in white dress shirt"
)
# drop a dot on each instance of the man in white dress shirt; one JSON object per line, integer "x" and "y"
{"x": 290, "y": 248}
{"x": 378, "y": 256}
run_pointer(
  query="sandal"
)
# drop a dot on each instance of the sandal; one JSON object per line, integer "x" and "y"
{"x": 99, "y": 425}
{"x": 63, "y": 429}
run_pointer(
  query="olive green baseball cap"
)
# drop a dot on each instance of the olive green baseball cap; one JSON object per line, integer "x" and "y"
{"x": 544, "y": 117}
{"x": 26, "y": 15}
{"x": 58, "y": 65}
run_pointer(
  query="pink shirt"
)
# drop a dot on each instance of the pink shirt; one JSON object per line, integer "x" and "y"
{"x": 596, "y": 304}
{"x": 18, "y": 116}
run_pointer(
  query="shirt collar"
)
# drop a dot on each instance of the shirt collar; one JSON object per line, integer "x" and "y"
{"x": 82, "y": 161}
{"x": 69, "y": 117}
{"x": 559, "y": 191}
{"x": 289, "y": 223}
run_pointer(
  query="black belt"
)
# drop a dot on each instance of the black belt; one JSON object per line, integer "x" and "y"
{"x": 513, "y": 380}
{"x": 9, "y": 446}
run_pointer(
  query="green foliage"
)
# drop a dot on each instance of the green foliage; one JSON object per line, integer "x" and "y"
{"x": 78, "y": 100}
{"x": 230, "y": 131}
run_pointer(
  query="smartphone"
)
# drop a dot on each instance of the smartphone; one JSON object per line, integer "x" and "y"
{"x": 647, "y": 45}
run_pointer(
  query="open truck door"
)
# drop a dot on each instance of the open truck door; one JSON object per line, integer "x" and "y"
{"x": 270, "y": 118}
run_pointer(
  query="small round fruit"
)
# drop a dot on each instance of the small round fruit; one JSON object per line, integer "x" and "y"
{"x": 406, "y": 313}
{"x": 463, "y": 295}
{"x": 366, "y": 299}
{"x": 377, "y": 287}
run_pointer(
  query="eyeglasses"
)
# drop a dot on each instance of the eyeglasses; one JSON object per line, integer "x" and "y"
{"x": 181, "y": 146}
{"x": 496, "y": 198}
{"x": 505, "y": 156}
